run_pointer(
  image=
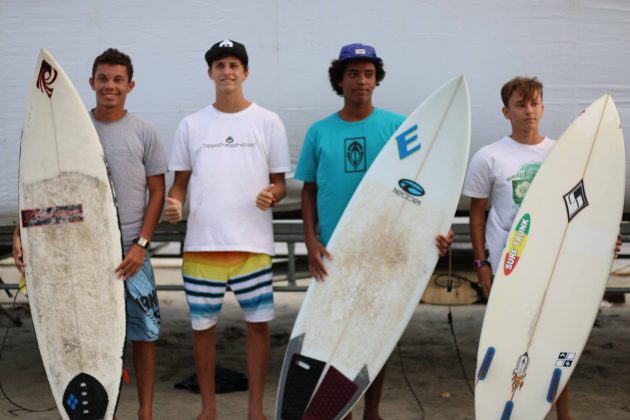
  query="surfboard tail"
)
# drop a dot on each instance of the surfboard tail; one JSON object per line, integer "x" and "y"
{"x": 314, "y": 390}
{"x": 85, "y": 398}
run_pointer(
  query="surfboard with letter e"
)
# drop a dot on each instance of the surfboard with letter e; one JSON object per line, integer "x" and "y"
{"x": 384, "y": 253}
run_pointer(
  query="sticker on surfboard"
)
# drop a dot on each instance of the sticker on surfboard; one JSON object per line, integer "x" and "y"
{"x": 516, "y": 244}
{"x": 566, "y": 359}
{"x": 575, "y": 200}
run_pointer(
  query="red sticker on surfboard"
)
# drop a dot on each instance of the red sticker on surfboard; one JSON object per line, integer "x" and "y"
{"x": 72, "y": 213}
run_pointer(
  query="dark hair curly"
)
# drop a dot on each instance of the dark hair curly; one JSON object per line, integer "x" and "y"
{"x": 113, "y": 56}
{"x": 337, "y": 68}
{"x": 526, "y": 86}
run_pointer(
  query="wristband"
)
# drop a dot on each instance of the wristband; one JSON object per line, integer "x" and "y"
{"x": 480, "y": 263}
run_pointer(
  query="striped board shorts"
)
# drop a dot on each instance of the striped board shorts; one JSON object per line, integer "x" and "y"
{"x": 207, "y": 275}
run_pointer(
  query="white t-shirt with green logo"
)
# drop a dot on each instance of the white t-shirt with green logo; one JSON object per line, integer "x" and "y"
{"x": 502, "y": 172}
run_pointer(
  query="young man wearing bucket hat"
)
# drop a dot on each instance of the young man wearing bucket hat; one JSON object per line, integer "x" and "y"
{"x": 331, "y": 174}
{"x": 233, "y": 155}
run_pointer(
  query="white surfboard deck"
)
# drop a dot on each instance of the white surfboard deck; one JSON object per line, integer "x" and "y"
{"x": 555, "y": 266}
{"x": 384, "y": 253}
{"x": 72, "y": 244}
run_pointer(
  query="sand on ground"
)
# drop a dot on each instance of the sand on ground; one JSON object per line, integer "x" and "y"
{"x": 423, "y": 373}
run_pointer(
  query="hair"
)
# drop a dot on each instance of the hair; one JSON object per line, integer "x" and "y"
{"x": 337, "y": 69}
{"x": 526, "y": 86}
{"x": 113, "y": 57}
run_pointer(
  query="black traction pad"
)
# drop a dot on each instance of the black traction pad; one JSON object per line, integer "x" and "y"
{"x": 85, "y": 398}
{"x": 302, "y": 378}
{"x": 331, "y": 397}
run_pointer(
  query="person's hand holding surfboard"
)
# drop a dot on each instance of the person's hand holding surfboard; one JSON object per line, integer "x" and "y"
{"x": 315, "y": 262}
{"x": 17, "y": 251}
{"x": 444, "y": 242}
{"x": 132, "y": 263}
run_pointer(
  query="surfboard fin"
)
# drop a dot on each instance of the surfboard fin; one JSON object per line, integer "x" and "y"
{"x": 553, "y": 386}
{"x": 485, "y": 365}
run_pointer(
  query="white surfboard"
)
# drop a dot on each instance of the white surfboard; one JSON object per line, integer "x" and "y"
{"x": 72, "y": 244}
{"x": 555, "y": 266}
{"x": 384, "y": 253}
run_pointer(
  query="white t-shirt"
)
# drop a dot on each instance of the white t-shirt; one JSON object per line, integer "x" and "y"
{"x": 231, "y": 156}
{"x": 502, "y": 172}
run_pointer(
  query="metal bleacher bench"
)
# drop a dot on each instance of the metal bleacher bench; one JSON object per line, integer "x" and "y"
{"x": 290, "y": 232}
{"x": 285, "y": 231}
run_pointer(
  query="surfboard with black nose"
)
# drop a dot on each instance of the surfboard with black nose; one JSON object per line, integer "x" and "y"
{"x": 72, "y": 244}
{"x": 384, "y": 253}
{"x": 554, "y": 269}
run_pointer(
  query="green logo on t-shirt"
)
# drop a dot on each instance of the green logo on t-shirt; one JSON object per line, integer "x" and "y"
{"x": 522, "y": 180}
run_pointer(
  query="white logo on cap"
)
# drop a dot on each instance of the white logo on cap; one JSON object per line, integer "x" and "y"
{"x": 360, "y": 51}
{"x": 226, "y": 43}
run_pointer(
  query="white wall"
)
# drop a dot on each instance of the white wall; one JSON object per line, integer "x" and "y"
{"x": 578, "y": 48}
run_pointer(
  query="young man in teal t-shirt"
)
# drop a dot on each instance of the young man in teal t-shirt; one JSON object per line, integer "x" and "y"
{"x": 337, "y": 153}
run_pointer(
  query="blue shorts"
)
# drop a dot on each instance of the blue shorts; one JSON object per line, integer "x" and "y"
{"x": 143, "y": 308}
{"x": 207, "y": 275}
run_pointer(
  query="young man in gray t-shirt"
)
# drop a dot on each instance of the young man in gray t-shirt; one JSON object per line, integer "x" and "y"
{"x": 137, "y": 164}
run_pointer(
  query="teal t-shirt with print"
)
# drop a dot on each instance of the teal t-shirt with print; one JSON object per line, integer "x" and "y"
{"x": 336, "y": 155}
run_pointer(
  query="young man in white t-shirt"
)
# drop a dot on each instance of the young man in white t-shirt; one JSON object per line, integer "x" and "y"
{"x": 233, "y": 154}
{"x": 499, "y": 174}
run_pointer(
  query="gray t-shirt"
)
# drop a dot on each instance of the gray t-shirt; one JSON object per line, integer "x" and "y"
{"x": 133, "y": 152}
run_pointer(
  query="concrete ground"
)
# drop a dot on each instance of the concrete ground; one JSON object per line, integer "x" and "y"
{"x": 423, "y": 372}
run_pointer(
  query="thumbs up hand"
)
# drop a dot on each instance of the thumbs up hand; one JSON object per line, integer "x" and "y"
{"x": 266, "y": 199}
{"x": 173, "y": 210}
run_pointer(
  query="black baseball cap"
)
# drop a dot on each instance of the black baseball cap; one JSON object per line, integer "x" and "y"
{"x": 227, "y": 47}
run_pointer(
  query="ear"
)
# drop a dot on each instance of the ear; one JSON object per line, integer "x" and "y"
{"x": 506, "y": 112}
{"x": 91, "y": 81}
{"x": 210, "y": 73}
{"x": 131, "y": 85}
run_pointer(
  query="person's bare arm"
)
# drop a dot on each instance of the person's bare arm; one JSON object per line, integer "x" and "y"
{"x": 313, "y": 245}
{"x": 134, "y": 258}
{"x": 478, "y": 239}
{"x": 177, "y": 196}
